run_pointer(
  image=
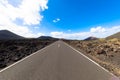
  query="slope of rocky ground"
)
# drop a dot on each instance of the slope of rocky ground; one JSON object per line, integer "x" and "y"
{"x": 14, "y": 50}
{"x": 116, "y": 35}
{"x": 104, "y": 52}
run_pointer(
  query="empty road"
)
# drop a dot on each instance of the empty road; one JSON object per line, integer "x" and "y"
{"x": 57, "y": 61}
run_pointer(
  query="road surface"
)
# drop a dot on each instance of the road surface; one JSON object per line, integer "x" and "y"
{"x": 57, "y": 61}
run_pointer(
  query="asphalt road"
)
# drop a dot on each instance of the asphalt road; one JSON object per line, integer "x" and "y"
{"x": 57, "y": 61}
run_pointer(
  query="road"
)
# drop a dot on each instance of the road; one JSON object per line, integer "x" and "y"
{"x": 57, "y": 61}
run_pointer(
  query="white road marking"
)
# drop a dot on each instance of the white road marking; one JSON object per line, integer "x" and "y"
{"x": 90, "y": 60}
{"x": 58, "y": 45}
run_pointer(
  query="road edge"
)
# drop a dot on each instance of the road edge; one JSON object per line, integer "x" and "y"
{"x": 26, "y": 57}
{"x": 90, "y": 60}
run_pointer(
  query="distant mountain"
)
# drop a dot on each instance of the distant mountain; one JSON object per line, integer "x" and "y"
{"x": 91, "y": 38}
{"x": 116, "y": 35}
{"x": 5, "y": 34}
{"x": 47, "y": 37}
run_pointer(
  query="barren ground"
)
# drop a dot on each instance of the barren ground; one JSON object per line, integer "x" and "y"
{"x": 104, "y": 52}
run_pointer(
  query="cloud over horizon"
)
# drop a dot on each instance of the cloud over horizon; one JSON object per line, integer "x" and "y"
{"x": 99, "y": 32}
{"x": 19, "y": 18}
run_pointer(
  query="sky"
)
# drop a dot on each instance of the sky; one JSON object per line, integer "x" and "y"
{"x": 70, "y": 19}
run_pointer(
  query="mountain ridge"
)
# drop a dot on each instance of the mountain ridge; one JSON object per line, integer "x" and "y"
{"x": 91, "y": 38}
{"x": 5, "y": 34}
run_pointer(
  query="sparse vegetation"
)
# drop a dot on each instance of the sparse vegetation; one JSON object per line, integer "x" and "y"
{"x": 105, "y": 52}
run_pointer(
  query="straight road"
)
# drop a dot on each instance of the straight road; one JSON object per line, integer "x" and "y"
{"x": 57, "y": 61}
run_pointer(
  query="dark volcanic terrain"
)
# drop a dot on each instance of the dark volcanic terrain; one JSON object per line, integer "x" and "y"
{"x": 14, "y": 47}
{"x": 14, "y": 50}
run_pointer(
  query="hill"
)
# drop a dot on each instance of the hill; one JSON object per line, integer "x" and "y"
{"x": 116, "y": 35}
{"x": 91, "y": 38}
{"x": 47, "y": 38}
{"x": 5, "y": 34}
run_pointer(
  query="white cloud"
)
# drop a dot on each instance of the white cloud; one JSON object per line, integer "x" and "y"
{"x": 36, "y": 27}
{"x": 97, "y": 29}
{"x": 57, "y": 34}
{"x": 99, "y": 32}
{"x": 40, "y": 34}
{"x": 68, "y": 35}
{"x": 28, "y": 11}
{"x": 56, "y": 20}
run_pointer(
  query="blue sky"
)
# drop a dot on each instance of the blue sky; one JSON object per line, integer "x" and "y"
{"x": 80, "y": 15}
{"x": 72, "y": 19}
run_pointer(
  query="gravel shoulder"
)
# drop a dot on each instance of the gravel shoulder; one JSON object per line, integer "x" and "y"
{"x": 104, "y": 52}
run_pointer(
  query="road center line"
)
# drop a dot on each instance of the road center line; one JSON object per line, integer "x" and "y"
{"x": 58, "y": 45}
